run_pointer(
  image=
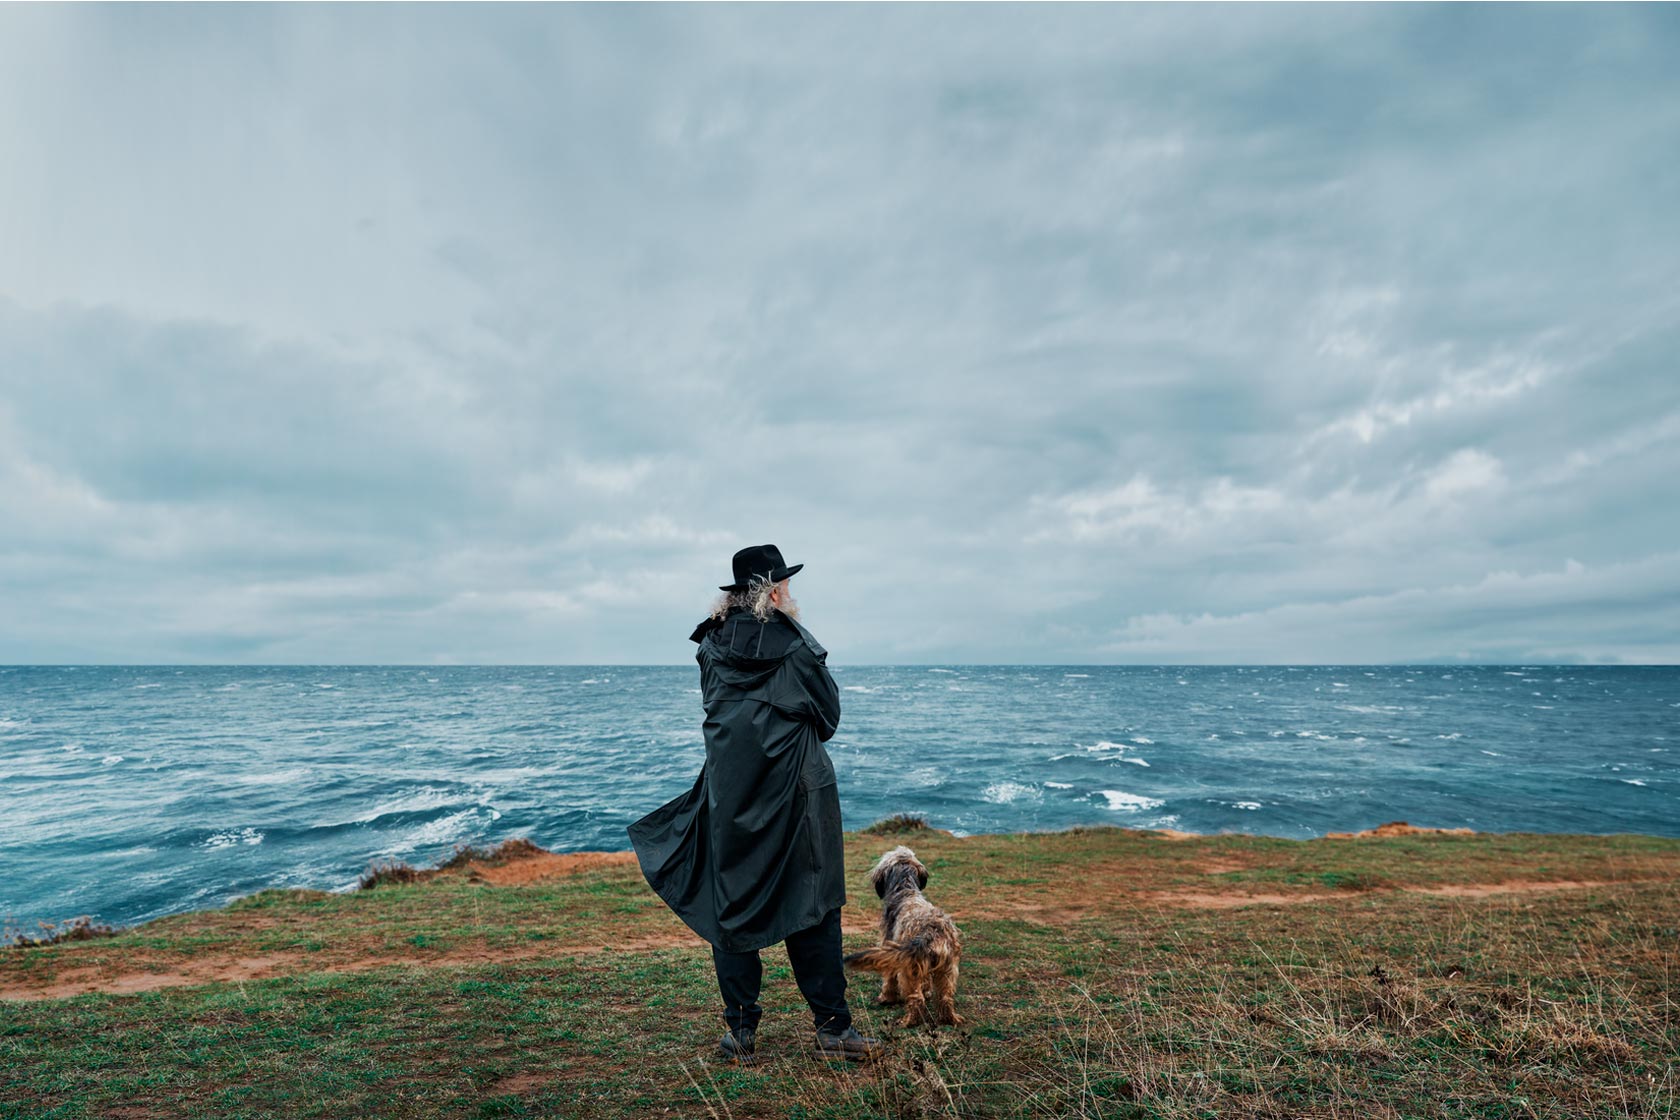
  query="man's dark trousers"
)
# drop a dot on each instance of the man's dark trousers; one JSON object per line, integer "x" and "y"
{"x": 815, "y": 956}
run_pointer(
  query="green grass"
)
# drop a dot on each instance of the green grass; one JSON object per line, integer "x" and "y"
{"x": 1372, "y": 1002}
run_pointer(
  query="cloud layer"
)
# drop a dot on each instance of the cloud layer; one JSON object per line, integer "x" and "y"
{"x": 1106, "y": 333}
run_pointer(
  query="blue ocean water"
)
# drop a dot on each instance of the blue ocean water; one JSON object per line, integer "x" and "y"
{"x": 131, "y": 792}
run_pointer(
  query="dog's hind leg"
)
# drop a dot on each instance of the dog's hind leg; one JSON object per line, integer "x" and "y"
{"x": 889, "y": 991}
{"x": 914, "y": 985}
{"x": 945, "y": 995}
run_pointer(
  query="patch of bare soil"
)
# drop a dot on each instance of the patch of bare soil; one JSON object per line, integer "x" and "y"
{"x": 1226, "y": 900}
{"x": 1229, "y": 899}
{"x": 1399, "y": 828}
{"x": 546, "y": 865}
{"x": 518, "y": 1084}
{"x": 1510, "y": 886}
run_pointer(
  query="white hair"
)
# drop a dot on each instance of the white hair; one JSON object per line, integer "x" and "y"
{"x": 755, "y": 597}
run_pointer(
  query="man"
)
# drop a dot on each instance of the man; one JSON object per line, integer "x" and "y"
{"x": 751, "y": 855}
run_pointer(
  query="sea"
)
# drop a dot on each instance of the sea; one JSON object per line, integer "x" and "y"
{"x": 127, "y": 793}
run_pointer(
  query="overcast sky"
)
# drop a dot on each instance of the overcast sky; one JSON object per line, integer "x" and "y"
{"x": 1071, "y": 334}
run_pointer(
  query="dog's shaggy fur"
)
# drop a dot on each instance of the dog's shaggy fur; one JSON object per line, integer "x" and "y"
{"x": 920, "y": 945}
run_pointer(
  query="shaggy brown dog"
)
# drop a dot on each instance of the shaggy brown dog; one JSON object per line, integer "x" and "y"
{"x": 920, "y": 945}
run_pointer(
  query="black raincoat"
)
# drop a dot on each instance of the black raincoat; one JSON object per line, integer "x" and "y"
{"x": 752, "y": 852}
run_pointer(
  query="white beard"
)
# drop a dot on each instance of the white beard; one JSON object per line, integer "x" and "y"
{"x": 790, "y": 607}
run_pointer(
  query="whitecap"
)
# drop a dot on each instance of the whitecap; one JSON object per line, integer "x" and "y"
{"x": 1245, "y": 804}
{"x": 110, "y": 760}
{"x": 1105, "y": 745}
{"x": 233, "y": 836}
{"x": 416, "y": 801}
{"x": 851, "y": 688}
{"x": 1452, "y": 736}
{"x": 1135, "y": 761}
{"x": 1002, "y": 793}
{"x": 592, "y": 680}
{"x": 942, "y": 671}
{"x": 1142, "y": 742}
{"x": 1077, "y": 676}
{"x": 148, "y": 686}
{"x": 1633, "y": 781}
{"x": 1122, "y": 802}
{"x": 319, "y": 685}
{"x": 73, "y": 748}
{"x": 1491, "y": 754}
{"x": 1058, "y": 785}
{"x": 442, "y": 830}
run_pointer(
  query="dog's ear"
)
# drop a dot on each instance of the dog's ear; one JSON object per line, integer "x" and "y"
{"x": 880, "y": 882}
{"x": 921, "y": 877}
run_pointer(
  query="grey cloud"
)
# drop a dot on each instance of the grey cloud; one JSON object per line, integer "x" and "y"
{"x": 445, "y": 333}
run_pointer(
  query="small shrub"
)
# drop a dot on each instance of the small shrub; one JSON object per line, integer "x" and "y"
{"x": 389, "y": 873}
{"x": 506, "y": 852}
{"x": 898, "y": 822}
{"x": 82, "y": 928}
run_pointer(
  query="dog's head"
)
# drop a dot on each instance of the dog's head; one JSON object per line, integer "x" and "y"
{"x": 897, "y": 866}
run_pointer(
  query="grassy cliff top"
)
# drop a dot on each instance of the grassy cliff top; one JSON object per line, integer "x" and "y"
{"x": 1107, "y": 973}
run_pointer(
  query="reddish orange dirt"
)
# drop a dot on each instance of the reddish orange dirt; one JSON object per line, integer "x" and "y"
{"x": 1399, "y": 828}
{"x": 1103, "y": 887}
{"x": 548, "y": 865}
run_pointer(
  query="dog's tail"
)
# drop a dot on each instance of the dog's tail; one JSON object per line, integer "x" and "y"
{"x": 895, "y": 956}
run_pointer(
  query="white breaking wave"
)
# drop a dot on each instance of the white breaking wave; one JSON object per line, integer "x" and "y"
{"x": 1142, "y": 742}
{"x": 232, "y": 837}
{"x": 1245, "y": 804}
{"x": 1058, "y": 785}
{"x": 1633, "y": 781}
{"x": 850, "y": 688}
{"x": 1003, "y": 793}
{"x": 1135, "y": 761}
{"x": 1122, "y": 802}
{"x": 110, "y": 760}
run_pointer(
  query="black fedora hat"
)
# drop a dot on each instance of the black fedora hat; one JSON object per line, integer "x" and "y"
{"x": 759, "y": 561}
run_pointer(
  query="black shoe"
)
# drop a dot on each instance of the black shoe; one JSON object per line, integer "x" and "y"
{"x": 848, "y": 1044}
{"x": 739, "y": 1046}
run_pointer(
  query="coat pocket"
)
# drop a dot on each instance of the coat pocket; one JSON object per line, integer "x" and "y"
{"x": 818, "y": 770}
